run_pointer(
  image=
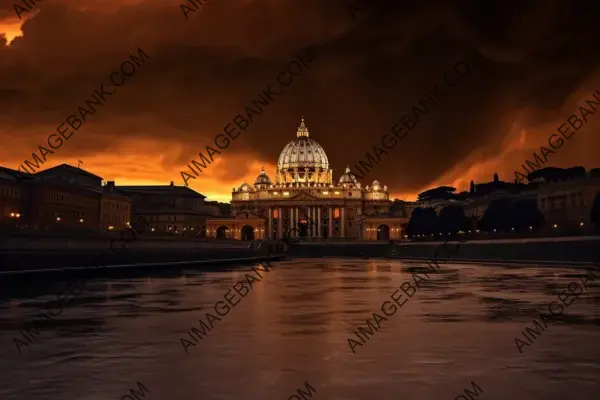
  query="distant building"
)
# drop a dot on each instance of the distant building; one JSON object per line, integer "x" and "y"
{"x": 70, "y": 174}
{"x": 62, "y": 198}
{"x": 113, "y": 211}
{"x": 304, "y": 190}
{"x": 13, "y": 198}
{"x": 167, "y": 209}
{"x": 568, "y": 204}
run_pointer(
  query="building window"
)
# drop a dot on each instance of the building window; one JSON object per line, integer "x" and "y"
{"x": 276, "y": 214}
{"x": 336, "y": 213}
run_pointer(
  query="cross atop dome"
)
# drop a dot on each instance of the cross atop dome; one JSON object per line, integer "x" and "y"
{"x": 302, "y": 129}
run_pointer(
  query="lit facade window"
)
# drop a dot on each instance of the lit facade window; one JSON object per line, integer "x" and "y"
{"x": 276, "y": 214}
{"x": 336, "y": 213}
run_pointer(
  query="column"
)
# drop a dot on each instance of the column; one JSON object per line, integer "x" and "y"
{"x": 330, "y": 210}
{"x": 296, "y": 233}
{"x": 269, "y": 233}
{"x": 343, "y": 218}
{"x": 280, "y": 224}
{"x": 314, "y": 219}
{"x": 291, "y": 211}
{"x": 319, "y": 222}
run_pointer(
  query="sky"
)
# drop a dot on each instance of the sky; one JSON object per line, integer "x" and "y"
{"x": 374, "y": 60}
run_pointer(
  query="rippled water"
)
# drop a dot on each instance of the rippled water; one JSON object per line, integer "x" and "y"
{"x": 293, "y": 327}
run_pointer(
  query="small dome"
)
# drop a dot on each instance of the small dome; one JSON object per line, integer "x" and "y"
{"x": 262, "y": 178}
{"x": 348, "y": 177}
{"x": 376, "y": 186}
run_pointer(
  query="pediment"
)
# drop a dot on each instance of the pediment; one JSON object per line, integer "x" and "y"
{"x": 303, "y": 196}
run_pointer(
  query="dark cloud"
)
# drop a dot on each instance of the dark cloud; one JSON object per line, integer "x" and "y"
{"x": 368, "y": 72}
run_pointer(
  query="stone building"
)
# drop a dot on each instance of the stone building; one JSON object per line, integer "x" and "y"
{"x": 304, "y": 195}
{"x": 61, "y": 198}
{"x": 568, "y": 204}
{"x": 167, "y": 208}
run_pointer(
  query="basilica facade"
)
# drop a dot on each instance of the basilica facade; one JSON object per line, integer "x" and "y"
{"x": 305, "y": 195}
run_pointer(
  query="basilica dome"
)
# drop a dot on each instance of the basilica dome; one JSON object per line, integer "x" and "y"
{"x": 302, "y": 152}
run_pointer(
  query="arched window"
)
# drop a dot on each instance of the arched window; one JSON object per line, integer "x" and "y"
{"x": 336, "y": 213}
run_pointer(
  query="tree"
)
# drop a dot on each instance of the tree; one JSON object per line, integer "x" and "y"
{"x": 575, "y": 172}
{"x": 452, "y": 219}
{"x": 595, "y": 173}
{"x": 595, "y": 217}
{"x": 423, "y": 221}
{"x": 527, "y": 214}
{"x": 549, "y": 174}
{"x": 496, "y": 177}
{"x": 439, "y": 193}
{"x": 472, "y": 188}
{"x": 499, "y": 215}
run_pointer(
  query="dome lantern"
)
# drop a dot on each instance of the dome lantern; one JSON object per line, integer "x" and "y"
{"x": 302, "y": 129}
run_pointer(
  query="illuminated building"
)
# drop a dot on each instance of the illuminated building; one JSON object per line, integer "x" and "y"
{"x": 304, "y": 189}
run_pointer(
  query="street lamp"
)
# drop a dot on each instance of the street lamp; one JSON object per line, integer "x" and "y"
{"x": 57, "y": 219}
{"x": 81, "y": 220}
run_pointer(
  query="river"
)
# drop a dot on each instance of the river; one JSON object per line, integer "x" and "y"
{"x": 293, "y": 327}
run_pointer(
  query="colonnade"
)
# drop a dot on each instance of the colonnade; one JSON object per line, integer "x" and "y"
{"x": 314, "y": 214}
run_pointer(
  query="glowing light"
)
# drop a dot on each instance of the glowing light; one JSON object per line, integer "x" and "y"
{"x": 57, "y": 219}
{"x": 80, "y": 220}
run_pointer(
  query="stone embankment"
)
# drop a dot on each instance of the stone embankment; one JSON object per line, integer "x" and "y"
{"x": 48, "y": 253}
{"x": 568, "y": 250}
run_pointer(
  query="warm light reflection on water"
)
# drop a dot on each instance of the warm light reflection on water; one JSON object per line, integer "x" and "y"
{"x": 293, "y": 327}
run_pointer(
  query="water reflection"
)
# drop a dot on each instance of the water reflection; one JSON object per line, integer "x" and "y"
{"x": 293, "y": 327}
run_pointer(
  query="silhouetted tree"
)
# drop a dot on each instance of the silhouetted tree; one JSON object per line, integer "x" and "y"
{"x": 439, "y": 193}
{"x": 423, "y": 221}
{"x": 472, "y": 188}
{"x": 550, "y": 174}
{"x": 499, "y": 215}
{"x": 452, "y": 219}
{"x": 595, "y": 173}
{"x": 496, "y": 178}
{"x": 595, "y": 217}
{"x": 575, "y": 172}
{"x": 527, "y": 214}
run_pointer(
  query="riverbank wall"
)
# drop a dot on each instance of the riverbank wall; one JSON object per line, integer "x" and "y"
{"x": 565, "y": 249}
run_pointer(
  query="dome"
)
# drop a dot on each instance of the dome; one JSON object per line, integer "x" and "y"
{"x": 376, "y": 186}
{"x": 302, "y": 152}
{"x": 262, "y": 178}
{"x": 348, "y": 177}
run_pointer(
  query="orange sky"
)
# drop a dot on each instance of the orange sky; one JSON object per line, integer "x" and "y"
{"x": 202, "y": 72}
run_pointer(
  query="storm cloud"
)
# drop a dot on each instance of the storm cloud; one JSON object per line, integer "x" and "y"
{"x": 536, "y": 63}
